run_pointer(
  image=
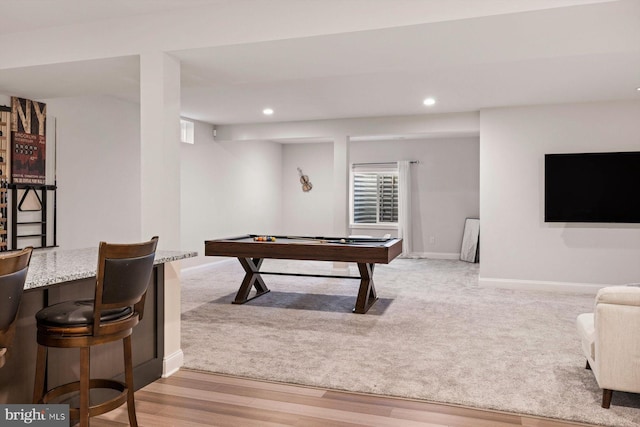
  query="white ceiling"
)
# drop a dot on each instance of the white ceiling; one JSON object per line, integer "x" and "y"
{"x": 489, "y": 53}
{"x": 25, "y": 15}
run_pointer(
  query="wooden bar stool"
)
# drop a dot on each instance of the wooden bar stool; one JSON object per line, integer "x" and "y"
{"x": 122, "y": 277}
{"x": 13, "y": 274}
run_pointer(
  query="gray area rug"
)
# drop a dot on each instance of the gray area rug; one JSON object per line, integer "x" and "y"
{"x": 434, "y": 334}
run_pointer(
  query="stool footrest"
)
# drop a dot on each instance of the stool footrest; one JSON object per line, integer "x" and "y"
{"x": 96, "y": 383}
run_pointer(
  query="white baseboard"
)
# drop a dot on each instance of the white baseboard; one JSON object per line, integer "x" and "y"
{"x": 172, "y": 363}
{"x": 340, "y": 267}
{"x": 434, "y": 255}
{"x": 541, "y": 285}
{"x": 206, "y": 265}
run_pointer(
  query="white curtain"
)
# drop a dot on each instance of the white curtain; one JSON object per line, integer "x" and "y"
{"x": 404, "y": 206}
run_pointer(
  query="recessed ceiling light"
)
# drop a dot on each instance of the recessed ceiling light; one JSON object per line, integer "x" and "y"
{"x": 429, "y": 102}
{"x": 267, "y": 111}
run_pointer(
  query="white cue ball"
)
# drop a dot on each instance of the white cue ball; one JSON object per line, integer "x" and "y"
{"x": 343, "y": 241}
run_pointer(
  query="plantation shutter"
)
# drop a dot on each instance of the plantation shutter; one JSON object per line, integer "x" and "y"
{"x": 375, "y": 194}
{"x": 388, "y": 198}
{"x": 365, "y": 200}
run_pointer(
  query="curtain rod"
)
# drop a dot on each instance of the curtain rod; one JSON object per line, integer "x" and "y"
{"x": 384, "y": 163}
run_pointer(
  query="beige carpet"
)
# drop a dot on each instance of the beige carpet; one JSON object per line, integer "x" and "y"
{"x": 433, "y": 334}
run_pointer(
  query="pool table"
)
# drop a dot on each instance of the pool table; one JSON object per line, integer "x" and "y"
{"x": 365, "y": 251}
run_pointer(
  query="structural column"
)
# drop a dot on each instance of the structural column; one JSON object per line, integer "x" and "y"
{"x": 160, "y": 148}
{"x": 340, "y": 191}
{"x": 341, "y": 185}
{"x": 160, "y": 181}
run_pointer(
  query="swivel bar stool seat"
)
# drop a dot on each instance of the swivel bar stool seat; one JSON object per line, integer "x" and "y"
{"x": 122, "y": 278}
{"x": 13, "y": 273}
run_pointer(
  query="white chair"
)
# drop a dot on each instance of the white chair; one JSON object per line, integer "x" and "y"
{"x": 611, "y": 340}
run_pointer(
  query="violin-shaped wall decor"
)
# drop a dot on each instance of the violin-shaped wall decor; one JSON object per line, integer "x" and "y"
{"x": 304, "y": 180}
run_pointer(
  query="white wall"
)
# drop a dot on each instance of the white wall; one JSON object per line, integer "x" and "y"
{"x": 445, "y": 188}
{"x": 98, "y": 170}
{"x": 517, "y": 247}
{"x": 228, "y": 189}
{"x": 310, "y": 213}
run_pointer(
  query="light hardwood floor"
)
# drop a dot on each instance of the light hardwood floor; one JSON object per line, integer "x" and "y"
{"x": 190, "y": 398}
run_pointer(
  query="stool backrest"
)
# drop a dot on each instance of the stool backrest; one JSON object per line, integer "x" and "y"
{"x": 13, "y": 274}
{"x": 122, "y": 278}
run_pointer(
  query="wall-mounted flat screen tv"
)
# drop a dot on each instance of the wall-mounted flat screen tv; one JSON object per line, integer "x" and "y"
{"x": 592, "y": 187}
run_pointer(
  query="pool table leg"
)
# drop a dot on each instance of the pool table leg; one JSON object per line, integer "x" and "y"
{"x": 252, "y": 278}
{"x": 367, "y": 292}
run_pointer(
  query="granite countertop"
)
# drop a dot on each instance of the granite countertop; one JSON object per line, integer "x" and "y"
{"x": 52, "y": 266}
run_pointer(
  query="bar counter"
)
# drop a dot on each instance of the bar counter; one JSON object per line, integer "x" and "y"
{"x": 56, "y": 266}
{"x": 57, "y": 275}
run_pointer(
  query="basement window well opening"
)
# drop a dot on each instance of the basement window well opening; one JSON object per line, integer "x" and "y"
{"x": 186, "y": 131}
{"x": 374, "y": 195}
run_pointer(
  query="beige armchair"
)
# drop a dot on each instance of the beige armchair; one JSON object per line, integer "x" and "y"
{"x": 611, "y": 340}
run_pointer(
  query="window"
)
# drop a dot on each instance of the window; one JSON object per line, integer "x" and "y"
{"x": 186, "y": 131}
{"x": 374, "y": 196}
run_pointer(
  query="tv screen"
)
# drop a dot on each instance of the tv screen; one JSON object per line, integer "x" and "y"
{"x": 592, "y": 187}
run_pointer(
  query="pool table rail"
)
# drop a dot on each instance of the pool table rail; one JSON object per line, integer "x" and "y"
{"x": 379, "y": 251}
